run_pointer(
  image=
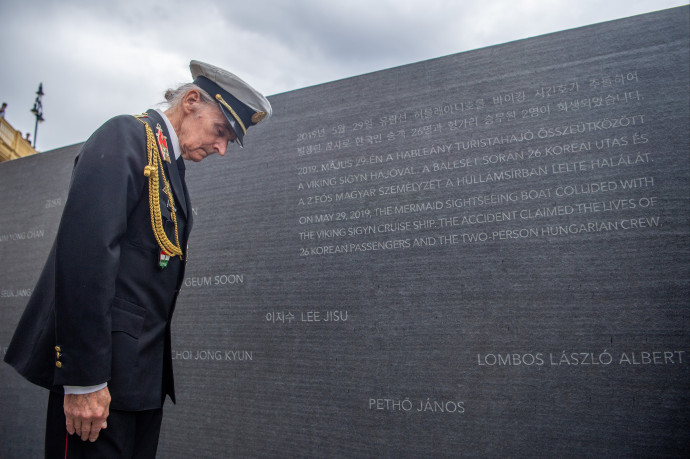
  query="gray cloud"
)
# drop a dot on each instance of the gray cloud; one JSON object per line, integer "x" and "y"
{"x": 97, "y": 59}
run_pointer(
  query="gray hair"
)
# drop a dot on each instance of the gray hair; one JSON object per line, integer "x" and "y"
{"x": 173, "y": 97}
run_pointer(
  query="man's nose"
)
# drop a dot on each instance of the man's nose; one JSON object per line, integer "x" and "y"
{"x": 222, "y": 147}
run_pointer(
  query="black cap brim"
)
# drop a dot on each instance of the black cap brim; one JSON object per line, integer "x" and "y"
{"x": 233, "y": 124}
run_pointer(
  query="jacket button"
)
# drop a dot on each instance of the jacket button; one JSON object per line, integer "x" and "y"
{"x": 58, "y": 349}
{"x": 58, "y": 364}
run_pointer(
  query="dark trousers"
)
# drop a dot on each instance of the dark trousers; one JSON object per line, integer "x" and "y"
{"x": 130, "y": 434}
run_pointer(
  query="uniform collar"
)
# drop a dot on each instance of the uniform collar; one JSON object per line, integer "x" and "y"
{"x": 173, "y": 135}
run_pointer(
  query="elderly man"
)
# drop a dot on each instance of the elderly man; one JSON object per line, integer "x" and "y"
{"x": 96, "y": 331}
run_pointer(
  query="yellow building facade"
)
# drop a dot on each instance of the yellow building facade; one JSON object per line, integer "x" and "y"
{"x": 12, "y": 144}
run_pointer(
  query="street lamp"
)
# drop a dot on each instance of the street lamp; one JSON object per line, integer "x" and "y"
{"x": 38, "y": 110}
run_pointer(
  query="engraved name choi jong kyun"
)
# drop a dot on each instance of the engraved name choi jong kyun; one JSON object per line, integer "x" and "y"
{"x": 213, "y": 355}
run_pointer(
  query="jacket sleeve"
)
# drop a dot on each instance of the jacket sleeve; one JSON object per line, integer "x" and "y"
{"x": 107, "y": 182}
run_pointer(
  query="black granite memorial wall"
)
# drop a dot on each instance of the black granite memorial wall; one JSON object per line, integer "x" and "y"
{"x": 485, "y": 254}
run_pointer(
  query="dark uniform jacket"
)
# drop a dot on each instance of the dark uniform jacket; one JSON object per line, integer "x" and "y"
{"x": 102, "y": 307}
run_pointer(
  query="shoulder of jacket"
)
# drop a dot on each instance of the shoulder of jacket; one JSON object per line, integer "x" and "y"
{"x": 122, "y": 131}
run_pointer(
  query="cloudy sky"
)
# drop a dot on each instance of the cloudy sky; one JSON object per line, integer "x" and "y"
{"x": 97, "y": 59}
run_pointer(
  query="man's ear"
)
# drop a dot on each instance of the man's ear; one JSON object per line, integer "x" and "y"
{"x": 191, "y": 101}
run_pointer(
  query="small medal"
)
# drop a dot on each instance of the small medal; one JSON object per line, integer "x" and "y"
{"x": 163, "y": 259}
{"x": 162, "y": 143}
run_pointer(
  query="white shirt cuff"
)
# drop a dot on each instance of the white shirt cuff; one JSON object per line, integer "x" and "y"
{"x": 81, "y": 390}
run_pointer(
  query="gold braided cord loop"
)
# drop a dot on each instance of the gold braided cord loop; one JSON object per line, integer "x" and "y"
{"x": 151, "y": 171}
{"x": 234, "y": 114}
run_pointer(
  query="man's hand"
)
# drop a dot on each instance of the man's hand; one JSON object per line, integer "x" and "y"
{"x": 86, "y": 414}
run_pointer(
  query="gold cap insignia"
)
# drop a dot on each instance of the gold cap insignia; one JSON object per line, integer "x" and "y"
{"x": 258, "y": 117}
